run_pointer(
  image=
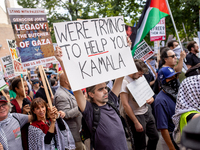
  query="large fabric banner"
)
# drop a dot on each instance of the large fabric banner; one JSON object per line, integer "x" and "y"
{"x": 8, "y": 65}
{"x": 32, "y": 36}
{"x": 94, "y": 51}
{"x": 18, "y": 68}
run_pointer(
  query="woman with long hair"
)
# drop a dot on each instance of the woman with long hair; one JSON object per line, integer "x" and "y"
{"x": 20, "y": 104}
{"x": 48, "y": 131}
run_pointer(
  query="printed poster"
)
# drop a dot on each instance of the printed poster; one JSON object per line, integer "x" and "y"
{"x": 94, "y": 51}
{"x": 32, "y": 36}
{"x": 158, "y": 33}
{"x": 18, "y": 68}
{"x": 143, "y": 51}
{"x": 3, "y": 84}
{"x": 8, "y": 65}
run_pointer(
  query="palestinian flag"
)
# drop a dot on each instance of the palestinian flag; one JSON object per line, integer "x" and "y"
{"x": 151, "y": 15}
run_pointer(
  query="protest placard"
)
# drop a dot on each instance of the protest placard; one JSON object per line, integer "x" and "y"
{"x": 143, "y": 51}
{"x": 140, "y": 90}
{"x": 158, "y": 33}
{"x": 8, "y": 65}
{"x": 3, "y": 84}
{"x": 94, "y": 51}
{"x": 32, "y": 36}
{"x": 18, "y": 68}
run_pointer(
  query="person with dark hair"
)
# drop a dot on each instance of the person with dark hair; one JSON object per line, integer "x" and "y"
{"x": 140, "y": 119}
{"x": 11, "y": 92}
{"x": 6, "y": 91}
{"x": 48, "y": 131}
{"x": 191, "y": 57}
{"x": 109, "y": 135}
{"x": 10, "y": 133}
{"x": 20, "y": 104}
{"x": 172, "y": 44}
{"x": 35, "y": 86}
{"x": 41, "y": 92}
{"x": 164, "y": 106}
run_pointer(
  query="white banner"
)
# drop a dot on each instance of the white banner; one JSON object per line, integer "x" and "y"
{"x": 94, "y": 51}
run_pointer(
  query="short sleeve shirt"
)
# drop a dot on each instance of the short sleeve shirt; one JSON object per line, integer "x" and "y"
{"x": 12, "y": 130}
{"x": 133, "y": 104}
{"x": 164, "y": 108}
{"x": 110, "y": 133}
{"x": 192, "y": 59}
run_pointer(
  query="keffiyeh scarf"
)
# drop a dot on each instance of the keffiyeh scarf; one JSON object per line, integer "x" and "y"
{"x": 188, "y": 99}
{"x": 3, "y": 139}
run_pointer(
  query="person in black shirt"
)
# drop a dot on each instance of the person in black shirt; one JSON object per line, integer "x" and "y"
{"x": 191, "y": 57}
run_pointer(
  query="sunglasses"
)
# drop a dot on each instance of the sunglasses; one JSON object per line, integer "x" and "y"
{"x": 172, "y": 56}
{"x": 35, "y": 82}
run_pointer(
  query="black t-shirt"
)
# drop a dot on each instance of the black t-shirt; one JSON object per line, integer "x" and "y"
{"x": 192, "y": 59}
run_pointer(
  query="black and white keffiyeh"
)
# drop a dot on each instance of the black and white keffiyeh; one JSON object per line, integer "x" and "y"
{"x": 188, "y": 98}
{"x": 64, "y": 138}
{"x": 3, "y": 139}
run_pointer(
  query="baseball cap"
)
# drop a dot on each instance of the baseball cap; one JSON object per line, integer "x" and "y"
{"x": 166, "y": 72}
{"x": 191, "y": 134}
{"x": 3, "y": 99}
{"x": 36, "y": 81}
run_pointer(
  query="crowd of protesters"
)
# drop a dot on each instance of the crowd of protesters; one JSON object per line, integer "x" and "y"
{"x": 30, "y": 123}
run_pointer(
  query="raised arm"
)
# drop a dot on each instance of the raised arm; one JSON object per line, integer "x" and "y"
{"x": 81, "y": 101}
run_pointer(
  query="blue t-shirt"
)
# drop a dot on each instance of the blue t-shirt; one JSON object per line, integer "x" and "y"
{"x": 110, "y": 133}
{"x": 164, "y": 108}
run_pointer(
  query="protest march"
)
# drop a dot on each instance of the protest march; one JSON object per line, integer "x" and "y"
{"x": 99, "y": 75}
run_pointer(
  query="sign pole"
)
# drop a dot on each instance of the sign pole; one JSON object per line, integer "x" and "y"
{"x": 22, "y": 81}
{"x": 174, "y": 25}
{"x": 47, "y": 81}
{"x": 45, "y": 87}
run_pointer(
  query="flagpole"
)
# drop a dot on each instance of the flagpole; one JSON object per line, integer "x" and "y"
{"x": 174, "y": 24}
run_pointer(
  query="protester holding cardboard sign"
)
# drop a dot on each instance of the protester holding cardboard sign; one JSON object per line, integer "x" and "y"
{"x": 109, "y": 122}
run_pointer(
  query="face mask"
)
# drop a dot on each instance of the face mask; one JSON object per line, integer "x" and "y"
{"x": 174, "y": 84}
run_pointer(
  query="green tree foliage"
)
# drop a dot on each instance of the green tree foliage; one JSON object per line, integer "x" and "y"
{"x": 184, "y": 11}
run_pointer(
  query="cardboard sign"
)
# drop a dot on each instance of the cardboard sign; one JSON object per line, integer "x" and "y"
{"x": 8, "y": 65}
{"x": 3, "y": 84}
{"x": 140, "y": 90}
{"x": 18, "y": 68}
{"x": 158, "y": 33}
{"x": 143, "y": 51}
{"x": 32, "y": 36}
{"x": 94, "y": 51}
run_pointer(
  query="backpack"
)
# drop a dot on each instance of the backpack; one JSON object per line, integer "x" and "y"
{"x": 85, "y": 132}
